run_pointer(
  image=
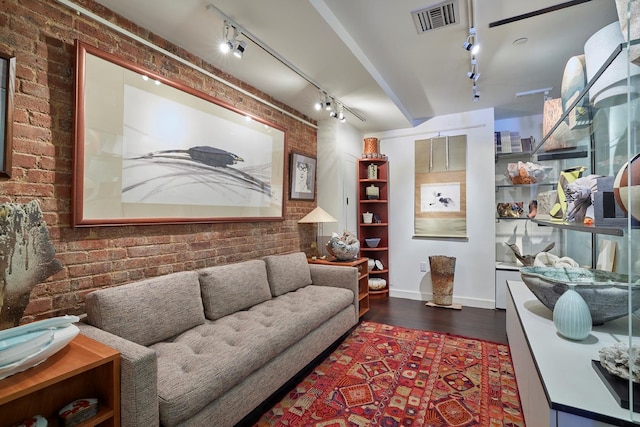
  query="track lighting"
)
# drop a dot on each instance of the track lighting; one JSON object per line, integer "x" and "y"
{"x": 475, "y": 94}
{"x": 230, "y": 43}
{"x": 474, "y": 74}
{"x": 471, "y": 44}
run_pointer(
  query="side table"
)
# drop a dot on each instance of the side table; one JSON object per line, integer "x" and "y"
{"x": 363, "y": 278}
{"x": 84, "y": 368}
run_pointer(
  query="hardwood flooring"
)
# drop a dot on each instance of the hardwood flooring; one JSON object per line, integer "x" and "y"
{"x": 471, "y": 322}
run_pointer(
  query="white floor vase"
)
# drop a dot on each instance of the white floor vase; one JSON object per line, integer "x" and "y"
{"x": 571, "y": 315}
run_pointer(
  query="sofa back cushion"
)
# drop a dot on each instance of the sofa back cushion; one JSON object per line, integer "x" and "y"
{"x": 233, "y": 287}
{"x": 287, "y": 273}
{"x": 148, "y": 311}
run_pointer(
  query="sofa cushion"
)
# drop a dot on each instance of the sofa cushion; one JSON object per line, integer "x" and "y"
{"x": 287, "y": 273}
{"x": 203, "y": 363}
{"x": 148, "y": 311}
{"x": 233, "y": 287}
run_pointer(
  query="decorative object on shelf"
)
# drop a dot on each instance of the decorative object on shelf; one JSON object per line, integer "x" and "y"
{"x": 527, "y": 172}
{"x": 551, "y": 113}
{"x": 372, "y": 242}
{"x": 615, "y": 359}
{"x": 607, "y": 211}
{"x": 567, "y": 176}
{"x": 28, "y": 250}
{"x": 367, "y": 218}
{"x": 533, "y": 209}
{"x": 574, "y": 80}
{"x": 372, "y": 171}
{"x": 377, "y": 283}
{"x": 440, "y": 208}
{"x": 571, "y": 315}
{"x": 28, "y": 345}
{"x": 606, "y": 293}
{"x": 528, "y": 260}
{"x": 370, "y": 147}
{"x": 443, "y": 269}
{"x": 623, "y": 192}
{"x": 546, "y": 200}
{"x": 379, "y": 265}
{"x": 371, "y": 264}
{"x": 373, "y": 192}
{"x": 546, "y": 259}
{"x": 317, "y": 216}
{"x": 344, "y": 247}
{"x": 579, "y": 199}
{"x": 606, "y": 255}
{"x": 78, "y": 411}
{"x": 611, "y": 87}
{"x": 630, "y": 9}
{"x": 35, "y": 421}
{"x": 510, "y": 210}
{"x": 377, "y": 219}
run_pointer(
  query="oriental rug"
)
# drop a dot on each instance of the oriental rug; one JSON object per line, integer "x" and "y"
{"x": 385, "y": 375}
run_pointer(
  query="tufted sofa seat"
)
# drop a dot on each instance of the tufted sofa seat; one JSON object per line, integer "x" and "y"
{"x": 207, "y": 347}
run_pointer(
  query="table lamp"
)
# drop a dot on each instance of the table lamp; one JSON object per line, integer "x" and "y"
{"x": 317, "y": 216}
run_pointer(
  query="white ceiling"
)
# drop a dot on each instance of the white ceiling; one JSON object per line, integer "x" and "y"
{"x": 368, "y": 54}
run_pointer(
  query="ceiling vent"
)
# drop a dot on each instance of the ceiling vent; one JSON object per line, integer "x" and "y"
{"x": 436, "y": 16}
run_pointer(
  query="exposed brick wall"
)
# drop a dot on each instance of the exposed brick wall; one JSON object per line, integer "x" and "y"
{"x": 41, "y": 34}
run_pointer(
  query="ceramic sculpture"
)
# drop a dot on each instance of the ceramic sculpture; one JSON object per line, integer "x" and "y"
{"x": 615, "y": 359}
{"x": 571, "y": 315}
{"x": 442, "y": 275}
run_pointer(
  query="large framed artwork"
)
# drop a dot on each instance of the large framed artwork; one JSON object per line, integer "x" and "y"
{"x": 441, "y": 187}
{"x": 302, "y": 173}
{"x": 151, "y": 150}
{"x": 7, "y": 89}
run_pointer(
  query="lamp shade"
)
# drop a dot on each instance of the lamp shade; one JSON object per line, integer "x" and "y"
{"x": 318, "y": 215}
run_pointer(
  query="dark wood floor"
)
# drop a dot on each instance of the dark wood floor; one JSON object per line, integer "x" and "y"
{"x": 480, "y": 323}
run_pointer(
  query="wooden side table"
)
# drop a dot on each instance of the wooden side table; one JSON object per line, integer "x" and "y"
{"x": 84, "y": 368}
{"x": 363, "y": 278}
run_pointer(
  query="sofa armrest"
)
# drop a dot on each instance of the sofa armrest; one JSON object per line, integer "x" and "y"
{"x": 138, "y": 378}
{"x": 336, "y": 276}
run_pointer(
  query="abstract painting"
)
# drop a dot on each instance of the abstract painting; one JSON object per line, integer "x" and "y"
{"x": 151, "y": 150}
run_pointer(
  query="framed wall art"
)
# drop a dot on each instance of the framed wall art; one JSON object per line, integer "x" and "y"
{"x": 302, "y": 173}
{"x": 440, "y": 187}
{"x": 7, "y": 89}
{"x": 151, "y": 150}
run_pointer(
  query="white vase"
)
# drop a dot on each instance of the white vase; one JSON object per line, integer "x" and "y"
{"x": 571, "y": 315}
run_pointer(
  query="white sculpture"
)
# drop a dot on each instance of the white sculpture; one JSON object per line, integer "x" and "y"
{"x": 615, "y": 359}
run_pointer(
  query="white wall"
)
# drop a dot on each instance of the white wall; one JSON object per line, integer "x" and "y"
{"x": 475, "y": 256}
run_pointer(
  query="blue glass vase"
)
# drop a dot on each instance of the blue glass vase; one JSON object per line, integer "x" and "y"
{"x": 571, "y": 315}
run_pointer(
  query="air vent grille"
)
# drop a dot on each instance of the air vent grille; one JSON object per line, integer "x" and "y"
{"x": 436, "y": 16}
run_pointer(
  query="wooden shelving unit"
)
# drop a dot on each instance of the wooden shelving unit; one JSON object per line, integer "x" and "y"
{"x": 380, "y": 226}
{"x": 83, "y": 369}
{"x": 363, "y": 278}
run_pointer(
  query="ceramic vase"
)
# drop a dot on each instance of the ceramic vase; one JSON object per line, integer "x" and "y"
{"x": 571, "y": 315}
{"x": 442, "y": 276}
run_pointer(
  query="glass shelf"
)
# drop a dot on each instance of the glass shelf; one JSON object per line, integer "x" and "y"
{"x": 611, "y": 231}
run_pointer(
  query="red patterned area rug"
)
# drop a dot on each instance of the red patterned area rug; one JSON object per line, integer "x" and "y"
{"x": 390, "y": 376}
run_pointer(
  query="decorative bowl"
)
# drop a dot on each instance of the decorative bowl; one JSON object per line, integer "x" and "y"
{"x": 372, "y": 242}
{"x": 605, "y": 293}
{"x": 377, "y": 283}
{"x": 344, "y": 248}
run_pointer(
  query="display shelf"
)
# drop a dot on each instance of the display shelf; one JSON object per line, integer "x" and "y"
{"x": 379, "y": 208}
{"x": 83, "y": 369}
{"x": 535, "y": 185}
{"x": 595, "y": 229}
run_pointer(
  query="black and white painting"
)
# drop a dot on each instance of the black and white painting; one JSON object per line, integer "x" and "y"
{"x": 150, "y": 150}
{"x": 440, "y": 197}
{"x": 302, "y": 171}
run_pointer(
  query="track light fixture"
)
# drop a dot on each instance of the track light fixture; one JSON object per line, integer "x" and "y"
{"x": 471, "y": 44}
{"x": 475, "y": 93}
{"x": 230, "y": 42}
{"x": 474, "y": 74}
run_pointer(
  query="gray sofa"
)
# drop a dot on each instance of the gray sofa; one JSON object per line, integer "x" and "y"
{"x": 204, "y": 348}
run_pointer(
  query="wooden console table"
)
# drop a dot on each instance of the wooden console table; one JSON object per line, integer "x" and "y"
{"x": 82, "y": 369}
{"x": 363, "y": 278}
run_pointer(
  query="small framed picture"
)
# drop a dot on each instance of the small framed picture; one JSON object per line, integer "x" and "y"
{"x": 302, "y": 174}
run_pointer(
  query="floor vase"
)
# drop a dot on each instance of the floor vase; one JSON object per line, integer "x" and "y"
{"x": 442, "y": 274}
{"x": 571, "y": 315}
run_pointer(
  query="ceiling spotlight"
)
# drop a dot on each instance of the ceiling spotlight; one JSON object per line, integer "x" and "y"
{"x": 474, "y": 74}
{"x": 240, "y": 48}
{"x": 470, "y": 44}
{"x": 327, "y": 104}
{"x": 230, "y": 43}
{"x": 475, "y": 93}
